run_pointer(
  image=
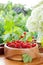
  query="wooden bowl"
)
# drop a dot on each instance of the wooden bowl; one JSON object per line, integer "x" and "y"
{"x": 40, "y": 48}
{"x": 16, "y": 53}
{"x": 1, "y": 49}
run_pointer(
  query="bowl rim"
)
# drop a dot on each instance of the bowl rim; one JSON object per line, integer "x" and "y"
{"x": 20, "y": 48}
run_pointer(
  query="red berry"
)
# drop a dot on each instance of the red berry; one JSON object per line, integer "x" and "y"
{"x": 11, "y": 45}
{"x": 23, "y": 45}
{"x": 8, "y": 43}
{"x": 29, "y": 46}
{"x": 17, "y": 45}
{"x": 21, "y": 36}
{"x": 24, "y": 33}
{"x": 33, "y": 45}
{"x": 18, "y": 41}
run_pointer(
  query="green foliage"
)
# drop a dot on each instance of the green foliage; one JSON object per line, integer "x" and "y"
{"x": 11, "y": 21}
{"x": 10, "y": 37}
{"x": 9, "y": 25}
{"x": 8, "y": 6}
{"x": 26, "y": 58}
{"x": 20, "y": 20}
{"x": 1, "y": 31}
{"x": 1, "y": 28}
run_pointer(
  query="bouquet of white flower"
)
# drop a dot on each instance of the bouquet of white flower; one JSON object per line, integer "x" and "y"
{"x": 35, "y": 22}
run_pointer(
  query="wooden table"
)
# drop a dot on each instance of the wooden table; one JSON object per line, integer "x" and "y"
{"x": 4, "y": 61}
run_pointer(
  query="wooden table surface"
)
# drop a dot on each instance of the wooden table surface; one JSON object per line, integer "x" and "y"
{"x": 4, "y": 61}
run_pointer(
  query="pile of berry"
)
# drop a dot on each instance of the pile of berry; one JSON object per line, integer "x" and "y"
{"x": 20, "y": 44}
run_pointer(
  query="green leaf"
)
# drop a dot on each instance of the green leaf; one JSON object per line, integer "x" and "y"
{"x": 6, "y": 37}
{"x": 18, "y": 30}
{"x": 9, "y": 25}
{"x": 10, "y": 37}
{"x": 15, "y": 36}
{"x": 26, "y": 58}
{"x": 1, "y": 28}
{"x": 30, "y": 58}
{"x": 29, "y": 36}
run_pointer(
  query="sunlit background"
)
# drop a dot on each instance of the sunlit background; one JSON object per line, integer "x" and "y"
{"x": 27, "y": 3}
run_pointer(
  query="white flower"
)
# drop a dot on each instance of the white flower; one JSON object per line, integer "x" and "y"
{"x": 35, "y": 21}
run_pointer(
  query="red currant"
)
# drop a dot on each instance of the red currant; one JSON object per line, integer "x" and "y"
{"x": 28, "y": 46}
{"x": 8, "y": 43}
{"x": 17, "y": 45}
{"x": 24, "y": 33}
{"x": 33, "y": 45}
{"x": 21, "y": 36}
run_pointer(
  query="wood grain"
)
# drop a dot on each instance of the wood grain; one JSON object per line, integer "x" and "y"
{"x": 4, "y": 61}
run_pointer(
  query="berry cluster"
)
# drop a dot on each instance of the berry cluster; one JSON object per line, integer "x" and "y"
{"x": 20, "y": 44}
